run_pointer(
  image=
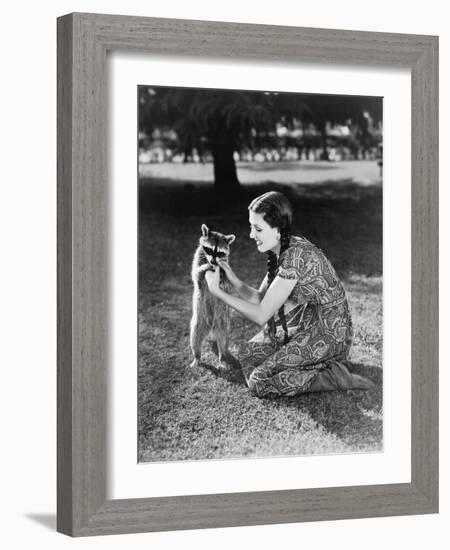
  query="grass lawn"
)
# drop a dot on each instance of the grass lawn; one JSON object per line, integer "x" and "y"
{"x": 189, "y": 414}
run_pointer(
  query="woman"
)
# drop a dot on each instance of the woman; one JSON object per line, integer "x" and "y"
{"x": 302, "y": 305}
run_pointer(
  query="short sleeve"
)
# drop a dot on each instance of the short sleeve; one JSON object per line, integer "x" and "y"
{"x": 296, "y": 263}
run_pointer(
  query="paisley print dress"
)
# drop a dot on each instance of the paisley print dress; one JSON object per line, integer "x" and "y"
{"x": 319, "y": 332}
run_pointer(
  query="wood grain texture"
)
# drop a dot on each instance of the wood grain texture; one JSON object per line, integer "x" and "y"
{"x": 83, "y": 41}
{"x": 64, "y": 277}
{"x": 82, "y": 273}
{"x": 264, "y": 42}
{"x": 425, "y": 250}
{"x": 257, "y": 508}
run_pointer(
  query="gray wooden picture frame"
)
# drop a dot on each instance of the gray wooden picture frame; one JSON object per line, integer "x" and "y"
{"x": 83, "y": 42}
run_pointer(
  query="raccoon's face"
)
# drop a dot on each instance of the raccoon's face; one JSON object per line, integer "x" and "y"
{"x": 215, "y": 246}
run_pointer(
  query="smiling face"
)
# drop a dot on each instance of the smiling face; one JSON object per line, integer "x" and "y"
{"x": 266, "y": 237}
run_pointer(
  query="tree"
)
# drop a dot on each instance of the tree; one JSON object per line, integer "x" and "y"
{"x": 224, "y": 121}
{"x": 221, "y": 120}
{"x": 338, "y": 109}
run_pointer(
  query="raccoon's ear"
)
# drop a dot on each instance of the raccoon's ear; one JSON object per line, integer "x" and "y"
{"x": 205, "y": 230}
{"x": 230, "y": 238}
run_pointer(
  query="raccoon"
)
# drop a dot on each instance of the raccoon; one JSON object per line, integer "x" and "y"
{"x": 209, "y": 314}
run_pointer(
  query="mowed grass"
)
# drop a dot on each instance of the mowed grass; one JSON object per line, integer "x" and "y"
{"x": 208, "y": 412}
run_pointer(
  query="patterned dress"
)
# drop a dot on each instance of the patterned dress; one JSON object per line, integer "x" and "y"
{"x": 319, "y": 332}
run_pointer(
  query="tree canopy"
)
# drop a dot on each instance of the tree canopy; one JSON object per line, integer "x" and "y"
{"x": 224, "y": 121}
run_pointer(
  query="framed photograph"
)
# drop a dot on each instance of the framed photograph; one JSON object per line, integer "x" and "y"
{"x": 247, "y": 274}
{"x": 193, "y": 144}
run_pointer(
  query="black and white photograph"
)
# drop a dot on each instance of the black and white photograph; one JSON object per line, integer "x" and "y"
{"x": 222, "y": 247}
{"x": 260, "y": 274}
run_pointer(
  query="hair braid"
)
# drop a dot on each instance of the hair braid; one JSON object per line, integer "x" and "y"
{"x": 284, "y": 245}
{"x": 272, "y": 264}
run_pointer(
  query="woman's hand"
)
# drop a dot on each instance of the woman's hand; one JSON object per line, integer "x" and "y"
{"x": 213, "y": 279}
{"x": 229, "y": 273}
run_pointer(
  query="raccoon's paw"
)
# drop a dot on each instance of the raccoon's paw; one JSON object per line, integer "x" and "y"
{"x": 214, "y": 347}
{"x": 231, "y": 360}
{"x": 195, "y": 363}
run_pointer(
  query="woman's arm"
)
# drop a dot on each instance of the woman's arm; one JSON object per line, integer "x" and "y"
{"x": 274, "y": 298}
{"x": 245, "y": 291}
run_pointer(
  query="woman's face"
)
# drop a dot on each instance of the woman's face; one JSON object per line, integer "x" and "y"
{"x": 266, "y": 237}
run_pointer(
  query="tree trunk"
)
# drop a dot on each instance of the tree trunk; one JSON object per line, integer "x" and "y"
{"x": 225, "y": 174}
{"x": 323, "y": 134}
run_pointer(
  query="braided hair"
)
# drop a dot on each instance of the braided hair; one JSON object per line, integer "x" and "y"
{"x": 277, "y": 212}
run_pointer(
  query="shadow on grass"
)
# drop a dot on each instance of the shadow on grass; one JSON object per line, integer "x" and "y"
{"x": 175, "y": 196}
{"x": 228, "y": 373}
{"x": 353, "y": 415}
{"x": 343, "y": 218}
